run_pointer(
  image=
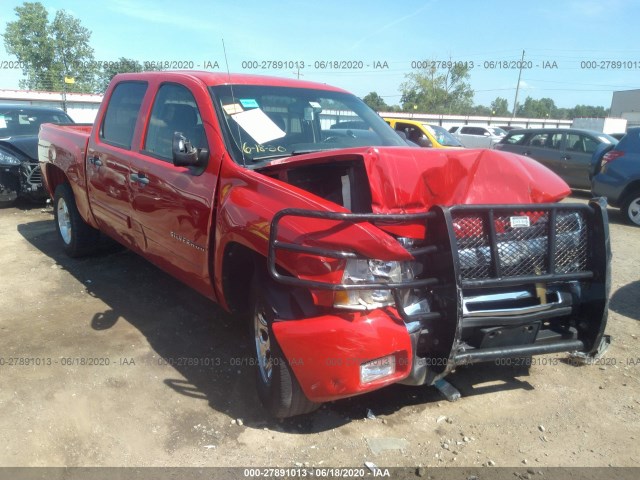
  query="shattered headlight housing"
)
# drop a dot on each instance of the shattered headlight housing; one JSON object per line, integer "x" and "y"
{"x": 8, "y": 159}
{"x": 372, "y": 271}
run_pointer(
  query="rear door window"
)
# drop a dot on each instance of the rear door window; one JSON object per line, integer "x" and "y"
{"x": 579, "y": 143}
{"x": 472, "y": 131}
{"x": 122, "y": 113}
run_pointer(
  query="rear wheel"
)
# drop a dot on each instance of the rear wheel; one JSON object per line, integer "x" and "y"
{"x": 631, "y": 208}
{"x": 277, "y": 385}
{"x": 78, "y": 238}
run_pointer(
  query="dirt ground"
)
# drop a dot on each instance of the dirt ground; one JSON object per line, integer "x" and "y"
{"x": 92, "y": 374}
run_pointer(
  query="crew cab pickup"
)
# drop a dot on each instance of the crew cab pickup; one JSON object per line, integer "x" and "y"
{"x": 358, "y": 261}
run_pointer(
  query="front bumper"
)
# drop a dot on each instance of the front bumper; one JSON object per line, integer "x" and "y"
{"x": 326, "y": 352}
{"x": 498, "y": 286}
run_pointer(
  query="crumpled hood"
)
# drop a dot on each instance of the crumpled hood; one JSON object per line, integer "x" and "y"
{"x": 408, "y": 179}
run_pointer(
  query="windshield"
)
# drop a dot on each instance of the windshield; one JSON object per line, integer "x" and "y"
{"x": 497, "y": 131}
{"x": 265, "y": 122}
{"x": 443, "y": 137}
{"x": 22, "y": 121}
{"x": 604, "y": 138}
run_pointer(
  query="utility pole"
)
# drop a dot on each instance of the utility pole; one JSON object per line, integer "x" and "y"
{"x": 515, "y": 101}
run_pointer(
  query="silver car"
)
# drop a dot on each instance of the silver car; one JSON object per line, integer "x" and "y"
{"x": 474, "y": 136}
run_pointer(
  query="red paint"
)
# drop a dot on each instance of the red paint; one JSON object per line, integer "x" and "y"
{"x": 326, "y": 352}
{"x": 229, "y": 204}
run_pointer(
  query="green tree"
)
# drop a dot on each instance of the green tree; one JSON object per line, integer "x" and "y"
{"x": 375, "y": 101}
{"x": 433, "y": 90}
{"x": 587, "y": 111}
{"x": 108, "y": 70}
{"x": 50, "y": 51}
{"x": 542, "y": 108}
{"x": 479, "y": 110}
{"x": 500, "y": 107}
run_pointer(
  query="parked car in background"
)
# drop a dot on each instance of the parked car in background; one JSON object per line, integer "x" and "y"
{"x": 19, "y": 169}
{"x": 619, "y": 177}
{"x": 566, "y": 151}
{"x": 474, "y": 136}
{"x": 424, "y": 134}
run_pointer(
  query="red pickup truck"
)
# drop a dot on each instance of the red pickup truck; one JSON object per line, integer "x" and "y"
{"x": 358, "y": 260}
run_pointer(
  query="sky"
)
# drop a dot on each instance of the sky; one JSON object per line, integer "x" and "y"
{"x": 576, "y": 52}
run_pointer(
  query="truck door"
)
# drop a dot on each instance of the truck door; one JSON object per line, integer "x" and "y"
{"x": 108, "y": 161}
{"x": 172, "y": 205}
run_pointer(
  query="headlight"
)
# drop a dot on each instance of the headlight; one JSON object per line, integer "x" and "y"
{"x": 8, "y": 159}
{"x": 364, "y": 272}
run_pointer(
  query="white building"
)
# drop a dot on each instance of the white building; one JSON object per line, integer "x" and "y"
{"x": 626, "y": 104}
{"x": 81, "y": 107}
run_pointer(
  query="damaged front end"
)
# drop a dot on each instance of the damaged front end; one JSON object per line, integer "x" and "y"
{"x": 486, "y": 282}
{"x": 481, "y": 282}
{"x": 20, "y": 175}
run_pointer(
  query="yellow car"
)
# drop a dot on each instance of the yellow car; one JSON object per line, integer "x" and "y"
{"x": 424, "y": 134}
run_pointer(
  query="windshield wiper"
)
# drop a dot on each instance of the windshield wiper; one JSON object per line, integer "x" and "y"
{"x": 310, "y": 150}
{"x": 271, "y": 157}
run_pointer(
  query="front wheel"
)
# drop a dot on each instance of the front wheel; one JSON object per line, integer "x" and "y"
{"x": 631, "y": 209}
{"x": 277, "y": 385}
{"x": 78, "y": 238}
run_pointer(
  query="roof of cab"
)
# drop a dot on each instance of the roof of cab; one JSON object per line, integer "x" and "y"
{"x": 220, "y": 78}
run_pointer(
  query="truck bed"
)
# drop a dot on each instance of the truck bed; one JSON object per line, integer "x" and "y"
{"x": 67, "y": 144}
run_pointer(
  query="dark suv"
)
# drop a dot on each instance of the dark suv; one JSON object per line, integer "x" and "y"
{"x": 619, "y": 177}
{"x": 566, "y": 151}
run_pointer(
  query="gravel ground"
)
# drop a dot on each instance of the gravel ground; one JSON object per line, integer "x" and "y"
{"x": 93, "y": 375}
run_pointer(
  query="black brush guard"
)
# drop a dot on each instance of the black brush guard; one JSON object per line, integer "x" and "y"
{"x": 502, "y": 281}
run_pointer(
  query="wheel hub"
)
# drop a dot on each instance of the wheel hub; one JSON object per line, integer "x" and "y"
{"x": 263, "y": 346}
{"x": 634, "y": 211}
{"x": 64, "y": 222}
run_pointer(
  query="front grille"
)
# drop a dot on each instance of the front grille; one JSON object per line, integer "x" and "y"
{"x": 520, "y": 243}
{"x": 33, "y": 174}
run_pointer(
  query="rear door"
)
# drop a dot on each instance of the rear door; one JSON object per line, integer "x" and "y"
{"x": 576, "y": 161}
{"x": 173, "y": 205}
{"x": 546, "y": 148}
{"x": 108, "y": 157}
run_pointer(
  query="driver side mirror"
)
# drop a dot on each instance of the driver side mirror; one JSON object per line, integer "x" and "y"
{"x": 185, "y": 154}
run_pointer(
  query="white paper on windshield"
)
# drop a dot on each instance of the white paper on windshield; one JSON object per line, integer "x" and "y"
{"x": 3, "y": 123}
{"x": 257, "y": 124}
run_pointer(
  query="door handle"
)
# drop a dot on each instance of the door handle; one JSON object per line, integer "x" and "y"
{"x": 95, "y": 161}
{"x": 526, "y": 154}
{"x": 139, "y": 178}
{"x": 566, "y": 157}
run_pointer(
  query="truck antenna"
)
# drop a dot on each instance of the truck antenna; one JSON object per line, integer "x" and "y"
{"x": 233, "y": 99}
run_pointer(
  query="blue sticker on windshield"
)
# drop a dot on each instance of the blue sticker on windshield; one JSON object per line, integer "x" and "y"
{"x": 249, "y": 103}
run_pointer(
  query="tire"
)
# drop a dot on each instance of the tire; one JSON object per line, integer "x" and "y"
{"x": 631, "y": 208}
{"x": 276, "y": 383}
{"x": 78, "y": 238}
